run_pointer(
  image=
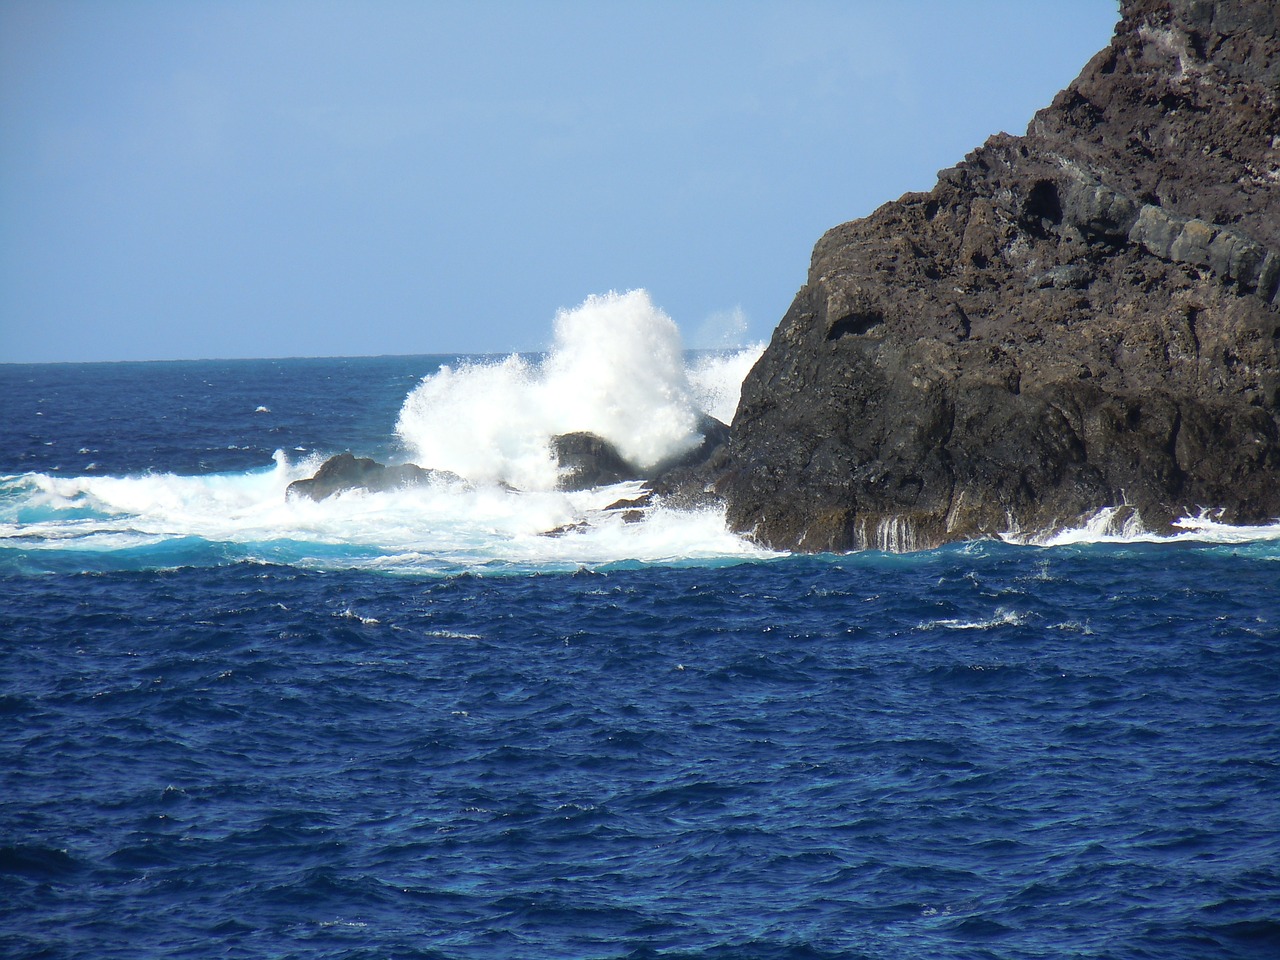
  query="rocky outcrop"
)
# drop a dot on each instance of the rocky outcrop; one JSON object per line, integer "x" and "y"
{"x": 584, "y": 460}
{"x": 1081, "y": 317}
{"x": 587, "y": 460}
{"x": 348, "y": 472}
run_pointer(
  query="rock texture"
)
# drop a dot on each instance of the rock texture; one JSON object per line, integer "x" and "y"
{"x": 348, "y": 472}
{"x": 587, "y": 460}
{"x": 1082, "y": 317}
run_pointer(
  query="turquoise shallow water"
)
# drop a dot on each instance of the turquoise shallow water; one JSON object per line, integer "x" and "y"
{"x": 219, "y": 741}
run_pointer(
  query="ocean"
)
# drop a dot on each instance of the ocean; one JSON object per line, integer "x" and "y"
{"x": 415, "y": 725}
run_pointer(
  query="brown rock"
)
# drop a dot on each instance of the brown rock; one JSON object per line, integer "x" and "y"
{"x": 1081, "y": 317}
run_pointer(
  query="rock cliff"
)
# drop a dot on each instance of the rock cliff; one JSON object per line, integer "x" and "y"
{"x": 1082, "y": 317}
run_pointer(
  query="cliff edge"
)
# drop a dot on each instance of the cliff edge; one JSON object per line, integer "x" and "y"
{"x": 1086, "y": 316}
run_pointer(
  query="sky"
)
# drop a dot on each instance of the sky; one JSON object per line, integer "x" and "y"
{"x": 277, "y": 178}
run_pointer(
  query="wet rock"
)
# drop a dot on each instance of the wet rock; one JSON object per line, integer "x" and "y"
{"x": 587, "y": 460}
{"x": 714, "y": 436}
{"x": 348, "y": 472}
{"x": 686, "y": 481}
{"x": 632, "y": 503}
{"x": 566, "y": 528}
{"x": 1075, "y": 319}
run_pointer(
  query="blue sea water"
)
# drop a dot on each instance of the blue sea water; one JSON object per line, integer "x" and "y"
{"x": 413, "y": 725}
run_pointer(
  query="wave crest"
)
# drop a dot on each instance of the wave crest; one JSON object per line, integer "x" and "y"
{"x": 616, "y": 369}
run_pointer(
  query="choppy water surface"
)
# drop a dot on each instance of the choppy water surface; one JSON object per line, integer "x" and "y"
{"x": 989, "y": 751}
{"x": 411, "y": 725}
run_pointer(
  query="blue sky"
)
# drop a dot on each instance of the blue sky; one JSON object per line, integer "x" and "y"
{"x": 236, "y": 179}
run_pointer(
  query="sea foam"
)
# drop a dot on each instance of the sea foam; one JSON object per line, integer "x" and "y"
{"x": 616, "y": 369}
{"x": 435, "y": 528}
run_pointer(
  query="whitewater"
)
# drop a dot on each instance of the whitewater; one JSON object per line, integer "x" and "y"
{"x": 616, "y": 367}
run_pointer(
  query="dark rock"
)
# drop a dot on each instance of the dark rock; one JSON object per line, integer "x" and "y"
{"x": 342, "y": 472}
{"x": 566, "y": 528}
{"x": 685, "y": 480}
{"x": 347, "y": 472}
{"x": 632, "y": 509}
{"x": 1269, "y": 278}
{"x": 1096, "y": 209}
{"x": 632, "y": 503}
{"x": 587, "y": 460}
{"x": 1066, "y": 276}
{"x": 1079, "y": 318}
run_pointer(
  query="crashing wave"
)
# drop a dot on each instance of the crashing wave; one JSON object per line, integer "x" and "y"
{"x": 616, "y": 370}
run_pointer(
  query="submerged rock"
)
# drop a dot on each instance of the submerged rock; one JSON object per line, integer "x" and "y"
{"x": 348, "y": 472}
{"x": 632, "y": 504}
{"x": 1081, "y": 317}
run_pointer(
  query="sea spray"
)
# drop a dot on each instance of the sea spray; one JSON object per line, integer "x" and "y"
{"x": 616, "y": 369}
{"x": 481, "y": 420}
{"x": 716, "y": 379}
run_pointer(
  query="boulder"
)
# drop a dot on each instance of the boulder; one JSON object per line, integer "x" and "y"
{"x": 684, "y": 481}
{"x": 587, "y": 460}
{"x": 347, "y": 472}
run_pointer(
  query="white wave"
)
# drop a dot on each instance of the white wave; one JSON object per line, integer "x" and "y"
{"x": 1001, "y": 618}
{"x": 1205, "y": 528}
{"x": 349, "y": 614}
{"x": 109, "y": 513}
{"x": 435, "y": 527}
{"x": 616, "y": 369}
{"x": 715, "y": 379}
{"x": 1116, "y": 523}
{"x": 1122, "y": 524}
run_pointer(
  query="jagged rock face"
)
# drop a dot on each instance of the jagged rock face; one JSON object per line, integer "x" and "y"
{"x": 1081, "y": 317}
